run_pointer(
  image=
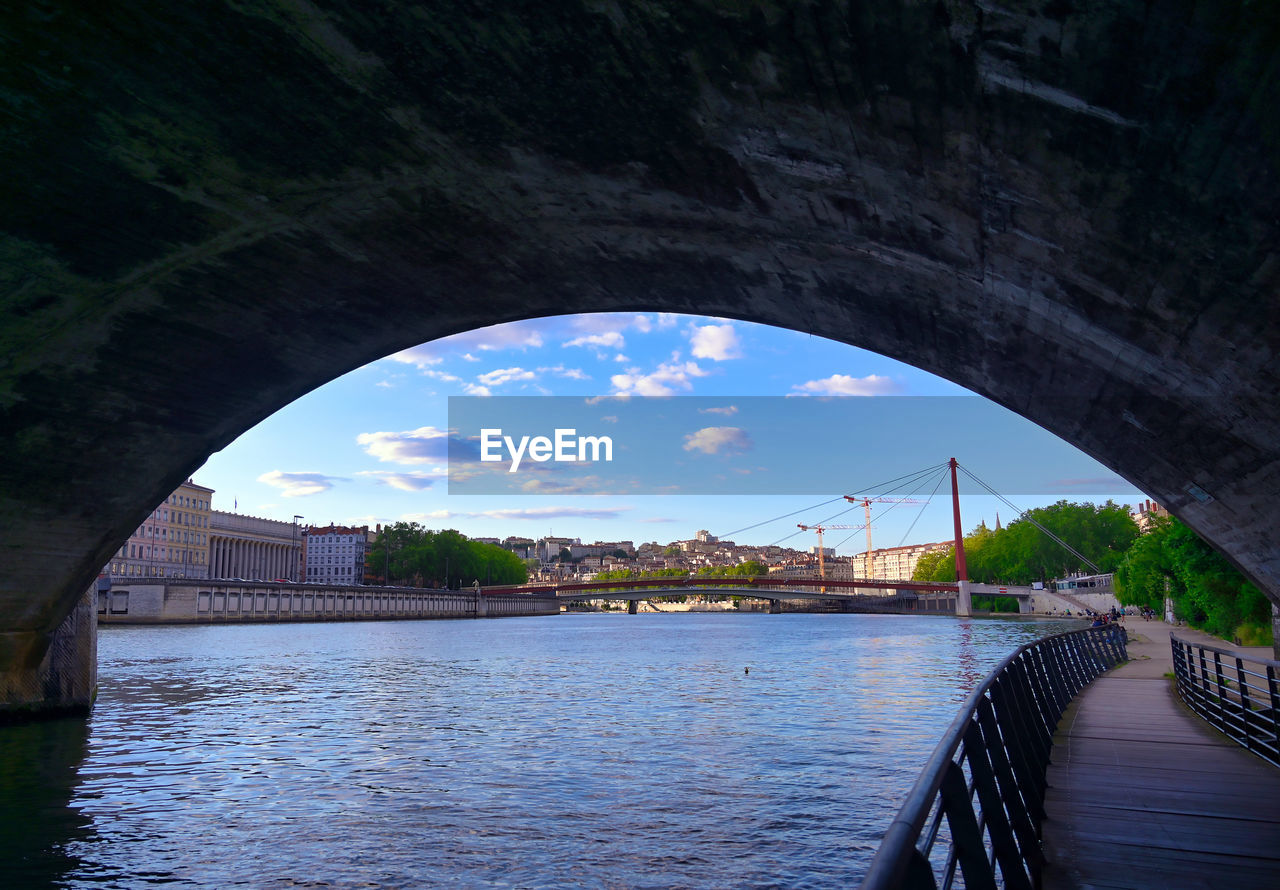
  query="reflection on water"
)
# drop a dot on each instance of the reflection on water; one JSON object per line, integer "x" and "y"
{"x": 587, "y": 750}
{"x": 969, "y": 662}
{"x": 39, "y": 765}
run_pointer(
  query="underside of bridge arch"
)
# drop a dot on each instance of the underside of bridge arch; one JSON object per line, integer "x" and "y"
{"x": 207, "y": 210}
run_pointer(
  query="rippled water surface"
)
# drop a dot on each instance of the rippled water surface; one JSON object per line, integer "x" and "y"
{"x": 576, "y": 750}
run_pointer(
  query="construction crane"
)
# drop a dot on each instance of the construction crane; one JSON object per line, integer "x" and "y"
{"x": 866, "y": 506}
{"x": 822, "y": 574}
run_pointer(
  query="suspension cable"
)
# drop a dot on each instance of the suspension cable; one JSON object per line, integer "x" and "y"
{"x": 908, "y": 476}
{"x": 1073, "y": 551}
{"x": 924, "y": 481}
{"x": 941, "y": 477}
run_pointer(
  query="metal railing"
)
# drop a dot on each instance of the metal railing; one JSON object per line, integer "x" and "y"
{"x": 1235, "y": 694}
{"x": 977, "y": 807}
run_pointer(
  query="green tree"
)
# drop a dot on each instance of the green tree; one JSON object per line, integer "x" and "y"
{"x": 995, "y": 603}
{"x": 936, "y": 565}
{"x": 1022, "y": 553}
{"x": 406, "y": 554}
{"x": 747, "y": 569}
{"x": 1207, "y": 591}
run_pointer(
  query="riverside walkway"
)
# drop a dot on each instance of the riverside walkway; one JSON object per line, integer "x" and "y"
{"x": 1142, "y": 793}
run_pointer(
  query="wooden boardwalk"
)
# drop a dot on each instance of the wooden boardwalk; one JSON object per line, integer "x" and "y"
{"x": 1143, "y": 794}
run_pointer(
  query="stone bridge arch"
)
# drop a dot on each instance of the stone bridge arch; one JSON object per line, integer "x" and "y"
{"x": 209, "y": 210}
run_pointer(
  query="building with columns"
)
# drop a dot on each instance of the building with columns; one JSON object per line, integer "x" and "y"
{"x": 252, "y": 548}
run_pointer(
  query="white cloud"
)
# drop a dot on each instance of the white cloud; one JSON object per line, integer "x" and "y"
{"x": 426, "y": 517}
{"x": 530, "y": 513}
{"x": 621, "y": 358}
{"x": 717, "y": 342}
{"x": 520, "y": 335}
{"x": 298, "y": 485}
{"x": 727, "y": 410}
{"x": 406, "y": 481}
{"x": 1094, "y": 484}
{"x": 606, "y": 340}
{"x": 540, "y": 513}
{"x": 662, "y": 382}
{"x": 642, "y": 324}
{"x": 422, "y": 356}
{"x": 844, "y": 385}
{"x": 715, "y": 439}
{"x": 472, "y": 389}
{"x": 503, "y": 376}
{"x": 569, "y": 373}
{"x": 385, "y": 384}
{"x": 441, "y": 375}
{"x": 424, "y": 445}
{"x": 667, "y": 319}
{"x": 515, "y": 335}
{"x": 610, "y": 418}
{"x": 368, "y": 519}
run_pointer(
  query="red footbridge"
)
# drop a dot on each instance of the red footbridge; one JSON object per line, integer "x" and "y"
{"x": 859, "y": 595}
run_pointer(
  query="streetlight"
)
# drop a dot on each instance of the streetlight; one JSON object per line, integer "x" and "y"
{"x": 296, "y": 547}
{"x": 386, "y": 557}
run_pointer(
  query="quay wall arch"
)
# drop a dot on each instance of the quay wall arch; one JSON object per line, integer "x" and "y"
{"x": 210, "y": 210}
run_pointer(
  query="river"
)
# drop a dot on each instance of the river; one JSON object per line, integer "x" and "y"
{"x": 581, "y": 750}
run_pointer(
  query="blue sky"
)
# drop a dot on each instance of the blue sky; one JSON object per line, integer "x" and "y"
{"x": 366, "y": 448}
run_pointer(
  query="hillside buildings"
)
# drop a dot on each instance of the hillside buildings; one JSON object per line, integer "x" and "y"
{"x": 892, "y": 563}
{"x": 185, "y": 538}
{"x": 888, "y": 564}
{"x": 1146, "y": 513}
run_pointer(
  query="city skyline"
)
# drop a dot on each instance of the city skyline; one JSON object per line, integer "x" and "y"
{"x": 365, "y": 448}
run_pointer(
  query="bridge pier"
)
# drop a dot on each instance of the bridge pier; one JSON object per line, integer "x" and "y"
{"x": 50, "y": 674}
{"x": 775, "y": 607}
{"x": 964, "y": 602}
{"x": 633, "y": 606}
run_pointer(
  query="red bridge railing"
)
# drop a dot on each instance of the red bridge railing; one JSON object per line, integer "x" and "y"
{"x": 759, "y": 581}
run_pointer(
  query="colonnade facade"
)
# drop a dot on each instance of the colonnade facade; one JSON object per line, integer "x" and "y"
{"x": 253, "y": 559}
{"x": 253, "y": 548}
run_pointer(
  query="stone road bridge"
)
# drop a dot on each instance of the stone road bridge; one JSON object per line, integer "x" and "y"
{"x": 210, "y": 209}
{"x": 855, "y": 596}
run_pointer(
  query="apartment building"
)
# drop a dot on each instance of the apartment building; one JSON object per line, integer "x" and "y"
{"x": 172, "y": 542}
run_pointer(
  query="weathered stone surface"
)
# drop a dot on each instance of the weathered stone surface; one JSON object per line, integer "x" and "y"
{"x": 1068, "y": 208}
{"x": 51, "y": 674}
